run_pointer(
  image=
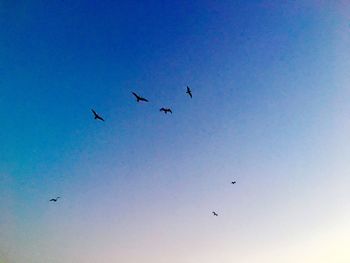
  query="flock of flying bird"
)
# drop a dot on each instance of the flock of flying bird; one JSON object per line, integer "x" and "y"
{"x": 140, "y": 99}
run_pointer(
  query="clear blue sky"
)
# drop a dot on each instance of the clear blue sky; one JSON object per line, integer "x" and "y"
{"x": 270, "y": 109}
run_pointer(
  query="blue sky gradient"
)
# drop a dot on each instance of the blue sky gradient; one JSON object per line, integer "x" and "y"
{"x": 270, "y": 110}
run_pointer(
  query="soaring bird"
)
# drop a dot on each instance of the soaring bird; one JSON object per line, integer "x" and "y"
{"x": 215, "y": 214}
{"x": 189, "y": 92}
{"x": 55, "y": 199}
{"x": 97, "y": 117}
{"x": 233, "y": 182}
{"x": 139, "y": 98}
{"x": 166, "y": 110}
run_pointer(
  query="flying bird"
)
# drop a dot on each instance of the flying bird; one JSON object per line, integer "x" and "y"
{"x": 189, "y": 92}
{"x": 166, "y": 110}
{"x": 215, "y": 214}
{"x": 97, "y": 117}
{"x": 54, "y": 199}
{"x": 233, "y": 182}
{"x": 139, "y": 98}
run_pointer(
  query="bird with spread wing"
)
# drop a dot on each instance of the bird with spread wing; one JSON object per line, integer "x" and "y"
{"x": 189, "y": 92}
{"x": 166, "y": 110}
{"x": 96, "y": 116}
{"x": 139, "y": 98}
{"x": 54, "y": 199}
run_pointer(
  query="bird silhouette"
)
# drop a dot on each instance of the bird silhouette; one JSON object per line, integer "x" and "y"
{"x": 139, "y": 98}
{"x": 215, "y": 214}
{"x": 55, "y": 199}
{"x": 233, "y": 182}
{"x": 97, "y": 117}
{"x": 166, "y": 110}
{"x": 189, "y": 92}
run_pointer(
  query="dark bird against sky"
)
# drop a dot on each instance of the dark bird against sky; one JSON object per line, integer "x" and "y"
{"x": 139, "y": 98}
{"x": 215, "y": 214}
{"x": 166, "y": 110}
{"x": 233, "y": 182}
{"x": 55, "y": 199}
{"x": 189, "y": 92}
{"x": 97, "y": 117}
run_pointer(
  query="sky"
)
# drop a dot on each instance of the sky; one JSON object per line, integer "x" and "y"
{"x": 270, "y": 110}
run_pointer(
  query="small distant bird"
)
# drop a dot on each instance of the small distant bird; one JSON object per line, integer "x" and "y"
{"x": 215, "y": 214}
{"x": 139, "y": 98}
{"x": 55, "y": 199}
{"x": 166, "y": 110}
{"x": 189, "y": 92}
{"x": 97, "y": 117}
{"x": 233, "y": 182}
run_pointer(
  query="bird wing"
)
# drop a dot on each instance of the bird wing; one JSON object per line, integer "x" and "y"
{"x": 170, "y": 111}
{"x": 94, "y": 112}
{"x": 162, "y": 109}
{"x": 137, "y": 96}
{"x": 99, "y": 117}
{"x": 144, "y": 99}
